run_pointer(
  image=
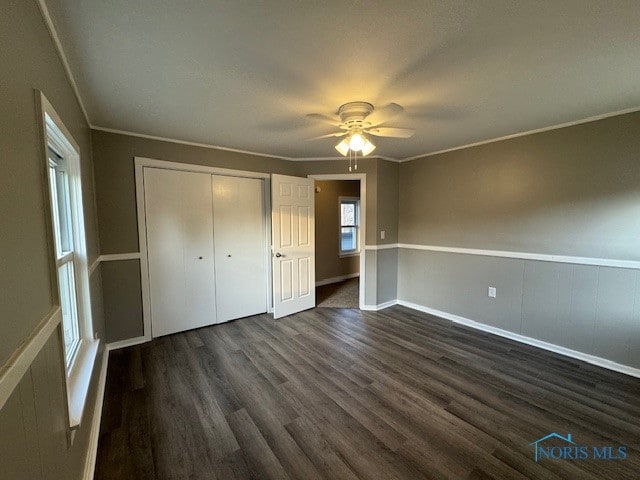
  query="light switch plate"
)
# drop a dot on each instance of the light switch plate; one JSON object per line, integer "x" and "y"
{"x": 383, "y": 234}
{"x": 492, "y": 292}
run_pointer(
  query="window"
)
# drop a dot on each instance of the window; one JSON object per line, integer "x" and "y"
{"x": 70, "y": 252}
{"x": 60, "y": 196}
{"x": 349, "y": 225}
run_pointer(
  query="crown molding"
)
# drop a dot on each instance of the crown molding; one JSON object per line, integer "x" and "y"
{"x": 63, "y": 56}
{"x": 226, "y": 149}
{"x": 185, "y": 142}
{"x": 593, "y": 118}
{"x": 388, "y": 159}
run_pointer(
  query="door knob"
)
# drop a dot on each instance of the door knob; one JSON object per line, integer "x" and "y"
{"x": 199, "y": 258}
{"x": 229, "y": 256}
{"x": 278, "y": 255}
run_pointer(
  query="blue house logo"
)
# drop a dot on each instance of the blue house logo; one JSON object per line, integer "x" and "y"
{"x": 545, "y": 451}
{"x": 564, "y": 448}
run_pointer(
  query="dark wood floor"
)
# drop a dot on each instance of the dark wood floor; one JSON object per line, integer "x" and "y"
{"x": 344, "y": 394}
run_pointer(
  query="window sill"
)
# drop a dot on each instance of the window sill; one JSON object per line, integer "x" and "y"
{"x": 349, "y": 254}
{"x": 79, "y": 379}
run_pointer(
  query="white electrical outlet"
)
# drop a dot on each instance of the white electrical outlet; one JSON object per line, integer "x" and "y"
{"x": 383, "y": 234}
{"x": 492, "y": 292}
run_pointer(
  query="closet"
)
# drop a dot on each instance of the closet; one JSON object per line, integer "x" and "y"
{"x": 206, "y": 248}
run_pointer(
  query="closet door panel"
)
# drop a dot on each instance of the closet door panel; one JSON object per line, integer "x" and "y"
{"x": 180, "y": 250}
{"x": 239, "y": 235}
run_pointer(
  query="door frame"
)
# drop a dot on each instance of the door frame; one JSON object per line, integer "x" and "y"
{"x": 363, "y": 223}
{"x": 143, "y": 162}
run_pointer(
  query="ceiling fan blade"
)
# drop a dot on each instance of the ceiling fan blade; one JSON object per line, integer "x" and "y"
{"x": 335, "y": 121}
{"x": 391, "y": 132}
{"x": 329, "y": 135}
{"x": 384, "y": 114}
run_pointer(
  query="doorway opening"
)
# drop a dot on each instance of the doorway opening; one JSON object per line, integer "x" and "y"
{"x": 340, "y": 240}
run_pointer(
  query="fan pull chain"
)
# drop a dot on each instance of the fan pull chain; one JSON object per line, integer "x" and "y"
{"x": 356, "y": 160}
{"x": 350, "y": 159}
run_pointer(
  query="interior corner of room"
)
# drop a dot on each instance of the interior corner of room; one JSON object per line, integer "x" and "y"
{"x": 187, "y": 260}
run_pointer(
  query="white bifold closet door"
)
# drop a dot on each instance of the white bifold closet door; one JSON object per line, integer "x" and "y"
{"x": 180, "y": 250}
{"x": 239, "y": 238}
{"x": 206, "y": 248}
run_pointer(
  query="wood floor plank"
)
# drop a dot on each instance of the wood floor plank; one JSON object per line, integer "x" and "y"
{"x": 261, "y": 461}
{"x": 312, "y": 441}
{"x": 346, "y": 394}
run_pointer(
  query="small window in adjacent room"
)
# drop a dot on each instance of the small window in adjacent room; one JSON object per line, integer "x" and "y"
{"x": 349, "y": 225}
{"x": 62, "y": 156}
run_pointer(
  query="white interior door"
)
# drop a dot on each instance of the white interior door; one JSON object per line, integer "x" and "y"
{"x": 293, "y": 231}
{"x": 239, "y": 239}
{"x": 180, "y": 250}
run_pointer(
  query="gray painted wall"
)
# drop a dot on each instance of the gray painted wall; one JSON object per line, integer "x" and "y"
{"x": 387, "y": 202}
{"x": 590, "y": 309}
{"x": 33, "y": 423}
{"x": 371, "y": 283}
{"x": 573, "y": 191}
{"x": 122, "y": 300}
{"x": 387, "y": 271}
{"x": 29, "y": 61}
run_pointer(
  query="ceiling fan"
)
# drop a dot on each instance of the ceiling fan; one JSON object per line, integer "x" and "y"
{"x": 356, "y": 120}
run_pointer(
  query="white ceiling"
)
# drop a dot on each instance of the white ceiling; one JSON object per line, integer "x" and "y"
{"x": 243, "y": 74}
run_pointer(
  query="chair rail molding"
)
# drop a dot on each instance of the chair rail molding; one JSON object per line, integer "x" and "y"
{"x": 544, "y": 257}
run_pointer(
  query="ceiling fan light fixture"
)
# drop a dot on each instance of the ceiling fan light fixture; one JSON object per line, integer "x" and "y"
{"x": 359, "y": 120}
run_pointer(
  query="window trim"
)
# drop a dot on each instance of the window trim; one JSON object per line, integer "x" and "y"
{"x": 78, "y": 373}
{"x": 356, "y": 251}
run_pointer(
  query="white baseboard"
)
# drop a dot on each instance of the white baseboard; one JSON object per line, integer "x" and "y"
{"x": 129, "y": 342}
{"x": 380, "y": 306}
{"x": 592, "y": 359}
{"x": 341, "y": 278}
{"x": 94, "y": 434}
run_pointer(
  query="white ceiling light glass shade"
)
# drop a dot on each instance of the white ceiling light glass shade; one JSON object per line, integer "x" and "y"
{"x": 368, "y": 147}
{"x": 343, "y": 147}
{"x": 355, "y": 143}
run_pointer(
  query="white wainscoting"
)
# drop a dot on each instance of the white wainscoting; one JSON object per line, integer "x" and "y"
{"x": 14, "y": 369}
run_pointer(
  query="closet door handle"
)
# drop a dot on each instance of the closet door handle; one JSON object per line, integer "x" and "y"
{"x": 278, "y": 255}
